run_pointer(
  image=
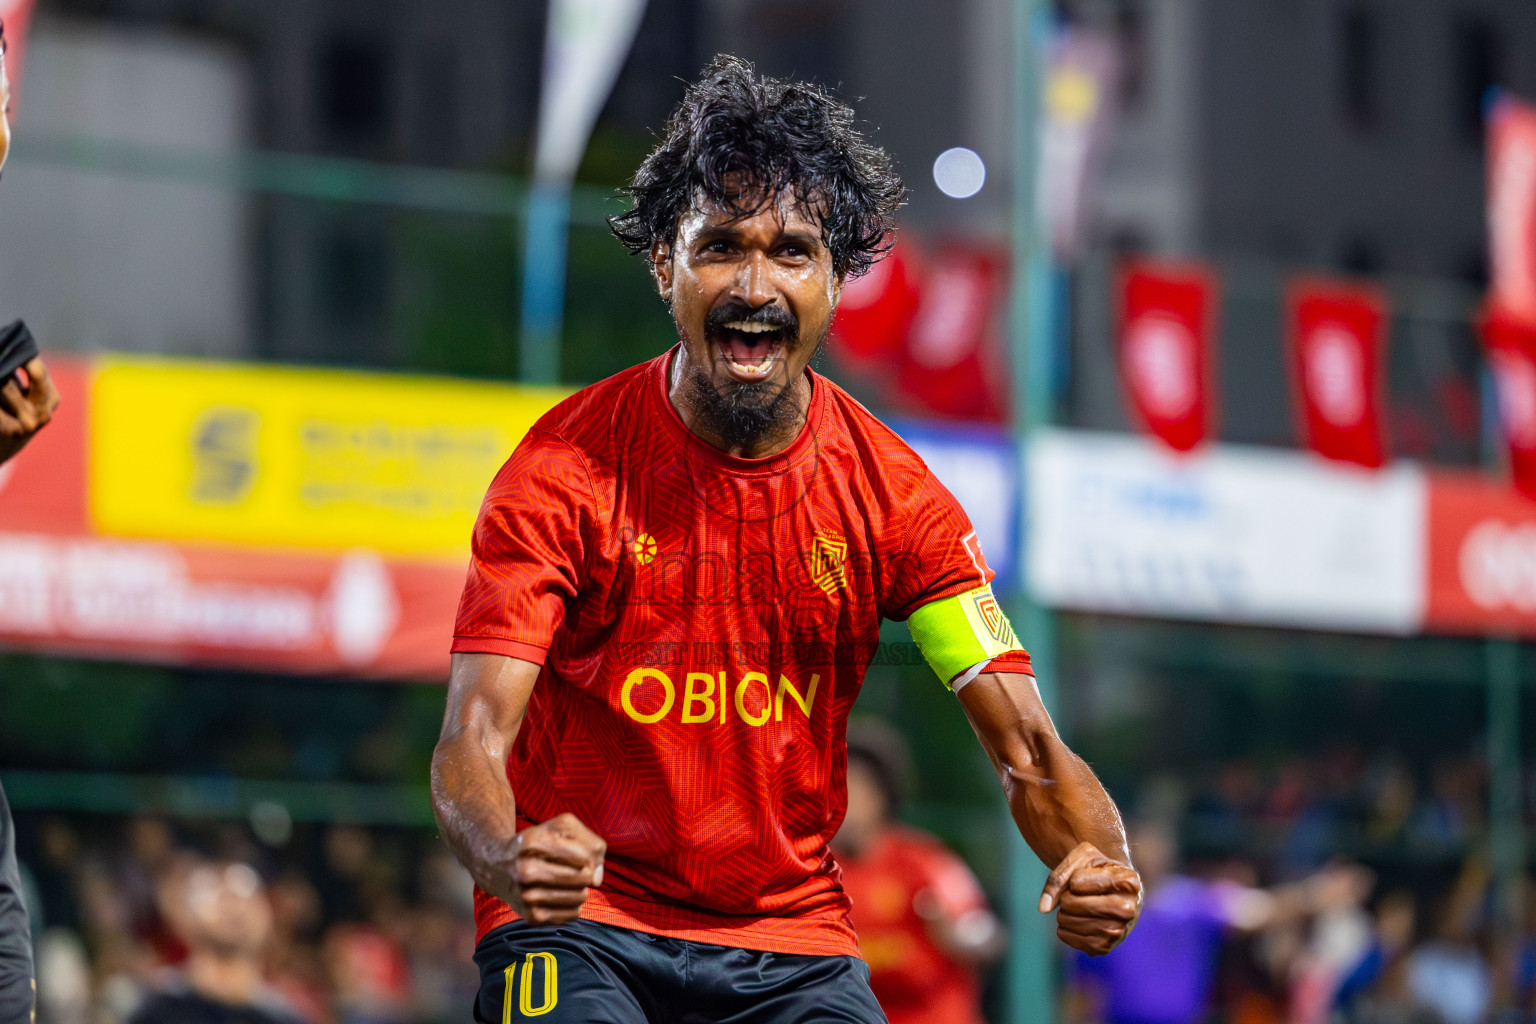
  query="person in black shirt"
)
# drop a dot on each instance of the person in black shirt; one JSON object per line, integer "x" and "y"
{"x": 221, "y": 912}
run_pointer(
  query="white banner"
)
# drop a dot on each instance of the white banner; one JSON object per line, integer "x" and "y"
{"x": 584, "y": 50}
{"x": 1229, "y": 534}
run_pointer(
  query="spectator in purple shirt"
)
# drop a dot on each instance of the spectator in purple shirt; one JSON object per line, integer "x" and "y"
{"x": 1165, "y": 970}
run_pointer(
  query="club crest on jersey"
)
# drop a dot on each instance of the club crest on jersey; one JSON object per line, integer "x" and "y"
{"x": 828, "y": 557}
{"x": 996, "y": 621}
{"x": 644, "y": 548}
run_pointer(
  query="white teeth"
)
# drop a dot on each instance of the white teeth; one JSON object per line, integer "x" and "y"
{"x": 750, "y": 328}
{"x": 761, "y": 367}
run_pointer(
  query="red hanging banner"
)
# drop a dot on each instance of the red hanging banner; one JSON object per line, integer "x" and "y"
{"x": 953, "y": 363}
{"x": 1166, "y": 321}
{"x": 1334, "y": 332}
{"x": 875, "y": 311}
{"x": 1511, "y": 344}
{"x": 1512, "y": 206}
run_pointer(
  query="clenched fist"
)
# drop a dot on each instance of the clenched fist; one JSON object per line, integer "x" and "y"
{"x": 1099, "y": 900}
{"x": 547, "y": 869}
{"x": 26, "y": 406}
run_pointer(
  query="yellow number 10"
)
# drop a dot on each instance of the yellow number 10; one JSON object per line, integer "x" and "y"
{"x": 525, "y": 990}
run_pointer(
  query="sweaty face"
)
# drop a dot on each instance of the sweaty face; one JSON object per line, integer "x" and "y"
{"x": 752, "y": 298}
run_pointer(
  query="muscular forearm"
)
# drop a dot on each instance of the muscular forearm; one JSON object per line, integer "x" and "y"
{"x": 1058, "y": 803}
{"x": 475, "y": 807}
{"x": 1062, "y": 812}
{"x": 1053, "y": 795}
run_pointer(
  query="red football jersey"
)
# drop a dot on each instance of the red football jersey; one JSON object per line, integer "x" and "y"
{"x": 914, "y": 979}
{"x": 704, "y": 623}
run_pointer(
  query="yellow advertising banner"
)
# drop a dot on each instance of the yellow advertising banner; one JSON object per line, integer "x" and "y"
{"x": 298, "y": 458}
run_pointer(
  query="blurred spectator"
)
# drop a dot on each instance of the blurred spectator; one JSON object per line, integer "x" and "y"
{"x": 368, "y": 973}
{"x": 390, "y": 905}
{"x": 923, "y": 924}
{"x": 1375, "y": 988}
{"x": 293, "y": 957}
{"x": 1523, "y": 972}
{"x": 1165, "y": 971}
{"x": 1450, "y": 973}
{"x": 1340, "y": 936}
{"x": 64, "y": 993}
{"x": 117, "y": 897}
{"x": 221, "y": 912}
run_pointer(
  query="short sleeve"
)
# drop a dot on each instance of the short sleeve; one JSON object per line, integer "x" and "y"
{"x": 939, "y": 555}
{"x": 528, "y": 551}
{"x": 942, "y": 586}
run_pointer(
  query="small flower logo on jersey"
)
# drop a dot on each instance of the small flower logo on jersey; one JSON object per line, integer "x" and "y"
{"x": 827, "y": 559}
{"x": 992, "y": 615}
{"x": 644, "y": 547}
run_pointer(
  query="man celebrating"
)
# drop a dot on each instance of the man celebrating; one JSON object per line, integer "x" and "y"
{"x": 676, "y": 588}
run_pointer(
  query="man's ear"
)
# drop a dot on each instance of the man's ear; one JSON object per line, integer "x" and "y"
{"x": 838, "y": 280}
{"x": 661, "y": 269}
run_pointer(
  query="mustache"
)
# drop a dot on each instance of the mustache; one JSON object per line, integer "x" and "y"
{"x": 773, "y": 316}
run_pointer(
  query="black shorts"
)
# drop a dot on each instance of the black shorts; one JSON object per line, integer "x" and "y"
{"x": 589, "y": 973}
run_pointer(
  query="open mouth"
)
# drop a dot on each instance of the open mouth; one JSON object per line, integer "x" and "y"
{"x": 750, "y": 349}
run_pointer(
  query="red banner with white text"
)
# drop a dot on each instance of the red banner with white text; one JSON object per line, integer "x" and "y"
{"x": 1481, "y": 566}
{"x": 1166, "y": 322}
{"x": 1336, "y": 340}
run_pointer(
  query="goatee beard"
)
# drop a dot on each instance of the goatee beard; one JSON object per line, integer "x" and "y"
{"x": 742, "y": 415}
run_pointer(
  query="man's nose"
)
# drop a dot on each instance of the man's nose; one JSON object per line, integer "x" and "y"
{"x": 753, "y": 281}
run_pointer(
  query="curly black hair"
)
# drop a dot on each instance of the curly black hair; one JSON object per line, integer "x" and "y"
{"x": 787, "y": 139}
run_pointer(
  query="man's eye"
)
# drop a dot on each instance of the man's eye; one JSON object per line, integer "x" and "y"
{"x": 718, "y": 247}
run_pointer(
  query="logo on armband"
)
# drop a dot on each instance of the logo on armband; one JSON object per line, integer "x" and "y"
{"x": 992, "y": 614}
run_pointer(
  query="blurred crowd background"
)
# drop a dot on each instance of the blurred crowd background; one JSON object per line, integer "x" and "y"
{"x": 1308, "y": 686}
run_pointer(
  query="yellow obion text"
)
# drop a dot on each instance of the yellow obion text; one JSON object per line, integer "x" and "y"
{"x": 700, "y": 698}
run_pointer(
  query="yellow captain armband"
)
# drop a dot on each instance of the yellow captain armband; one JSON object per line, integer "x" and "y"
{"x": 960, "y": 632}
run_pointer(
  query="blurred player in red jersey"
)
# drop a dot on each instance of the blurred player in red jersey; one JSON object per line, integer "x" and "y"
{"x": 676, "y": 586}
{"x": 923, "y": 922}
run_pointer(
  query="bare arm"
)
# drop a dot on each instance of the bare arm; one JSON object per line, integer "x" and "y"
{"x": 542, "y": 872}
{"x": 1061, "y": 810}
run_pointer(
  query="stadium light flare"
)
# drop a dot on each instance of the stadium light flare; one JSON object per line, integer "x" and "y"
{"x": 959, "y": 172}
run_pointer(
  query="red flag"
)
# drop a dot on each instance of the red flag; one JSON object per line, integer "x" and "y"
{"x": 1166, "y": 320}
{"x": 875, "y": 311}
{"x": 1511, "y": 344}
{"x": 1512, "y": 206}
{"x": 1336, "y": 344}
{"x": 15, "y": 14}
{"x": 953, "y": 364}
